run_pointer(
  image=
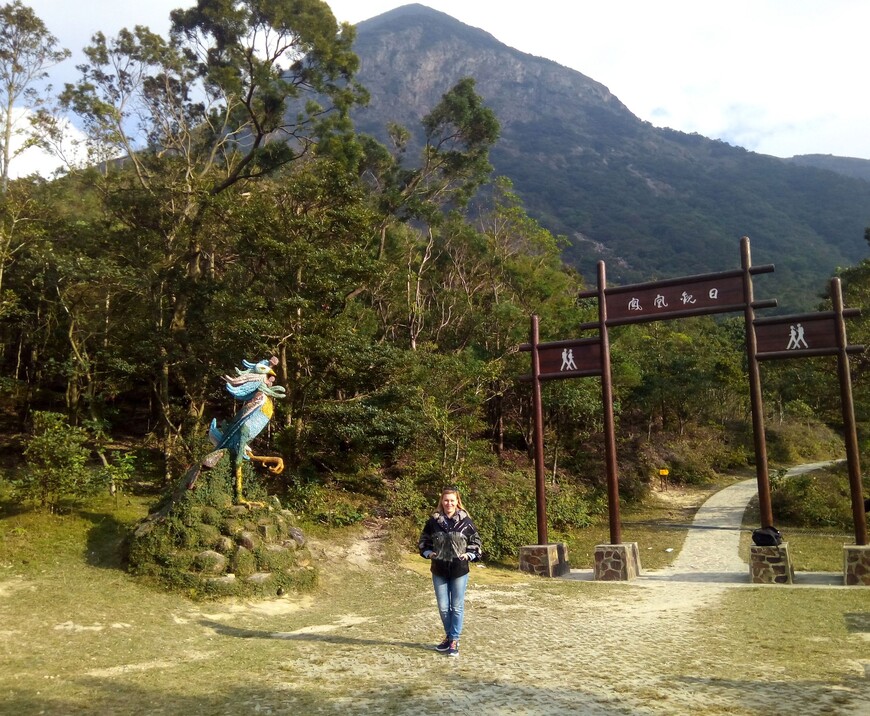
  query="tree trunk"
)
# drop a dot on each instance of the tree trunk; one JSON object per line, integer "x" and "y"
{"x": 165, "y": 417}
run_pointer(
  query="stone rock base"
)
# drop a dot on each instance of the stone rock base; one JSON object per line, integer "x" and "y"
{"x": 856, "y": 565}
{"x": 770, "y": 565}
{"x": 545, "y": 560}
{"x": 616, "y": 562}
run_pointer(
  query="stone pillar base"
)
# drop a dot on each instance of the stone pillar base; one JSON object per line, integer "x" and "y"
{"x": 545, "y": 560}
{"x": 770, "y": 565}
{"x": 856, "y": 565}
{"x": 616, "y": 562}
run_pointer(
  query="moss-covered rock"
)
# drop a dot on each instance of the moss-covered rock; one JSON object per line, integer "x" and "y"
{"x": 224, "y": 545}
{"x": 210, "y": 562}
{"x": 232, "y": 526}
{"x": 211, "y": 516}
{"x": 249, "y": 540}
{"x": 275, "y": 558}
{"x": 197, "y": 541}
{"x": 244, "y": 563}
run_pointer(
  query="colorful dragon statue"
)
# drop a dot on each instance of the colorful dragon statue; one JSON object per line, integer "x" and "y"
{"x": 255, "y": 387}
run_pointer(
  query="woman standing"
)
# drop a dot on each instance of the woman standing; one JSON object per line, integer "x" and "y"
{"x": 451, "y": 541}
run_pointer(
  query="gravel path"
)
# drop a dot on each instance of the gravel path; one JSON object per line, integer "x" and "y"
{"x": 710, "y": 552}
{"x": 553, "y": 647}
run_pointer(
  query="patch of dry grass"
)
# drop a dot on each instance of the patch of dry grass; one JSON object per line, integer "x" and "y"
{"x": 659, "y": 526}
{"x": 811, "y": 550}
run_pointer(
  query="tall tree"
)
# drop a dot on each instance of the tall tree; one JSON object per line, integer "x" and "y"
{"x": 454, "y": 164}
{"x": 27, "y": 51}
{"x": 194, "y": 119}
{"x": 459, "y": 132}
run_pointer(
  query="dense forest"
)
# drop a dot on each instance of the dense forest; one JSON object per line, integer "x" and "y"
{"x": 206, "y": 226}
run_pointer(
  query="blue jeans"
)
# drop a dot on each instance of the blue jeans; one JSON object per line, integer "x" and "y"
{"x": 450, "y": 595}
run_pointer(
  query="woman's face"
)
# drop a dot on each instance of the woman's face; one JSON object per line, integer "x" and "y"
{"x": 448, "y": 503}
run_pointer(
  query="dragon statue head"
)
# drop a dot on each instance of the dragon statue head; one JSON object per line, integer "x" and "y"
{"x": 255, "y": 377}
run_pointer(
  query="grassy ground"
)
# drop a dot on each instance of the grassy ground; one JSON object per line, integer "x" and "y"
{"x": 812, "y": 549}
{"x": 657, "y": 526}
{"x": 81, "y": 636}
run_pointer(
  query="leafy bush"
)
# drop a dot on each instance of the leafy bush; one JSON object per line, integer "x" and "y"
{"x": 814, "y": 499}
{"x": 55, "y": 458}
{"x": 570, "y": 507}
{"x": 405, "y": 499}
{"x": 120, "y": 470}
{"x": 503, "y": 509}
{"x": 331, "y": 506}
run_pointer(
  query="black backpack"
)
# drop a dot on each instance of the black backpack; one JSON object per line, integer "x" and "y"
{"x": 767, "y": 537}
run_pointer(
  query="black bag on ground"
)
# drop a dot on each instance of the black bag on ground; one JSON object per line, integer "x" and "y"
{"x": 767, "y": 537}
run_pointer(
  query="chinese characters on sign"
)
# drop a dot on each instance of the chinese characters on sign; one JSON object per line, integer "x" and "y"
{"x": 707, "y": 294}
{"x": 685, "y": 299}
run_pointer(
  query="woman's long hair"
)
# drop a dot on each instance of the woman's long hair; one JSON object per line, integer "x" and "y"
{"x": 448, "y": 491}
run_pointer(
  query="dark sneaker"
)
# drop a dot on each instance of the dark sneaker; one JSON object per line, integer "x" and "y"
{"x": 453, "y": 649}
{"x": 443, "y": 646}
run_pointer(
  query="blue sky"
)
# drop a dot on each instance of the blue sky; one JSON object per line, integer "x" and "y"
{"x": 780, "y": 77}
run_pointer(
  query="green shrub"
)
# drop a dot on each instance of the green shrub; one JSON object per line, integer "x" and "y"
{"x": 814, "y": 499}
{"x": 503, "y": 534}
{"x": 570, "y": 507}
{"x": 55, "y": 457}
{"x": 329, "y": 506}
{"x": 118, "y": 474}
{"x": 405, "y": 499}
{"x": 503, "y": 509}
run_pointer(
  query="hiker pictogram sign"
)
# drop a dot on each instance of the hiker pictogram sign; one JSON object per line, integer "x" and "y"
{"x": 822, "y": 334}
{"x": 566, "y": 359}
{"x": 801, "y": 336}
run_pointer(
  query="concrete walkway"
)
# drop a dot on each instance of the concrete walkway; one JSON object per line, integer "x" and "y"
{"x": 710, "y": 552}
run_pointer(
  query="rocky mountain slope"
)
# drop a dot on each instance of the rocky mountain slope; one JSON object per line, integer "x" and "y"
{"x": 651, "y": 202}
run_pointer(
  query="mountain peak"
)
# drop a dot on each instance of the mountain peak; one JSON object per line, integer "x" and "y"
{"x": 652, "y": 202}
{"x": 415, "y": 14}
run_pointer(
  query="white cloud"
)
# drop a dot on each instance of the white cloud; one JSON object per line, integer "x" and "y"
{"x": 34, "y": 160}
{"x": 795, "y": 69}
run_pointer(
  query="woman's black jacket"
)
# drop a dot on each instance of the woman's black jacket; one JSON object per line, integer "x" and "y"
{"x": 448, "y": 539}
